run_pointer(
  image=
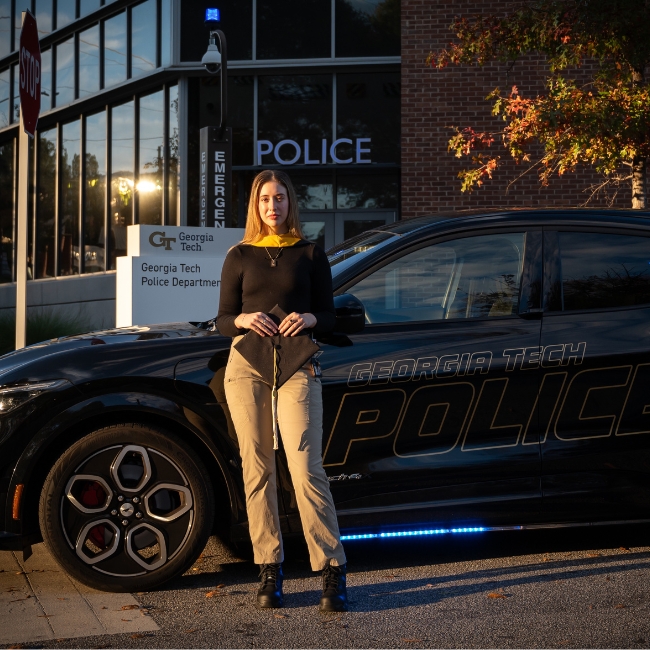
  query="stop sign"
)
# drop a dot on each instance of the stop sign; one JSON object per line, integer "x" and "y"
{"x": 30, "y": 73}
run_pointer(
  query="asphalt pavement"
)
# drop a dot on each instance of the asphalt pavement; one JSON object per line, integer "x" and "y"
{"x": 562, "y": 588}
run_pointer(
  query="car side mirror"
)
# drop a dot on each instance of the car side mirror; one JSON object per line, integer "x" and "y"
{"x": 350, "y": 314}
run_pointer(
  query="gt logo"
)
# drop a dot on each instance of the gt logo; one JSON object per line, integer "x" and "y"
{"x": 159, "y": 239}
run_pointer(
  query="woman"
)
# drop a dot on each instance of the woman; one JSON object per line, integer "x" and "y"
{"x": 274, "y": 265}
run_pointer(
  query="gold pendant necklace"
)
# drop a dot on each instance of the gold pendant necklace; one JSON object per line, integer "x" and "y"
{"x": 273, "y": 259}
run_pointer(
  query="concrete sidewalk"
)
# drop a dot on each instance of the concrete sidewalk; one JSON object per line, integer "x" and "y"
{"x": 39, "y": 602}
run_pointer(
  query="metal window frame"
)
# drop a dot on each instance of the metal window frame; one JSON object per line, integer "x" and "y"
{"x": 82, "y": 191}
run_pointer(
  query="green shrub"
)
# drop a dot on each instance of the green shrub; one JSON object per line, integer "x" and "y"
{"x": 41, "y": 326}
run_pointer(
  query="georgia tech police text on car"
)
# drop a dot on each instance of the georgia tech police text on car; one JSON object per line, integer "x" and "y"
{"x": 462, "y": 364}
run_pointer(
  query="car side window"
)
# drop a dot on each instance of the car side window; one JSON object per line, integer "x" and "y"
{"x": 601, "y": 270}
{"x": 473, "y": 277}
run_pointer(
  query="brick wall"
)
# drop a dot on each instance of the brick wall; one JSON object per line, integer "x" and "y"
{"x": 433, "y": 100}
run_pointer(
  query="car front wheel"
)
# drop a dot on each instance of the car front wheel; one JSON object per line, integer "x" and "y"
{"x": 126, "y": 508}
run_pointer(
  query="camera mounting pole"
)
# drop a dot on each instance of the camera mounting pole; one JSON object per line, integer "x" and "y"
{"x": 223, "y": 81}
{"x": 215, "y": 176}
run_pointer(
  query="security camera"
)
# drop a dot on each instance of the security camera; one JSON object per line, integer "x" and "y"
{"x": 212, "y": 58}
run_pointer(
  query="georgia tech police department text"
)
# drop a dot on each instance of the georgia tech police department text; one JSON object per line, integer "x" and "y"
{"x": 174, "y": 281}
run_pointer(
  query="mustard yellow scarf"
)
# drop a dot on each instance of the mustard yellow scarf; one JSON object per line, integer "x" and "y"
{"x": 277, "y": 241}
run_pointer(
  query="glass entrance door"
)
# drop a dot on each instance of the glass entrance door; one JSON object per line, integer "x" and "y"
{"x": 330, "y": 228}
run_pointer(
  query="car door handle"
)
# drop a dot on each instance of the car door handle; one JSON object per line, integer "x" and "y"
{"x": 532, "y": 314}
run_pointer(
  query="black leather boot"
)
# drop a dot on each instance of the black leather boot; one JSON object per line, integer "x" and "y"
{"x": 335, "y": 597}
{"x": 270, "y": 591}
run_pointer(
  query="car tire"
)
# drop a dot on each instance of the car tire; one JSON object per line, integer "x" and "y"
{"x": 127, "y": 508}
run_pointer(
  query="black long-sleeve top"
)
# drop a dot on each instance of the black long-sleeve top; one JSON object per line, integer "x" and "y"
{"x": 301, "y": 281}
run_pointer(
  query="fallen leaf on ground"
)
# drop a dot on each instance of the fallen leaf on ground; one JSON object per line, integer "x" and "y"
{"x": 17, "y": 645}
{"x": 128, "y": 620}
{"x": 624, "y": 548}
{"x": 21, "y": 573}
{"x": 280, "y": 616}
{"x": 62, "y": 599}
{"x": 429, "y": 585}
{"x": 593, "y": 554}
{"x": 496, "y": 594}
{"x": 125, "y": 607}
{"x": 137, "y": 636}
{"x": 412, "y": 640}
{"x": 620, "y": 606}
{"x": 190, "y": 631}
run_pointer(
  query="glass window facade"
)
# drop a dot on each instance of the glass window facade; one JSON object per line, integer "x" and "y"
{"x": 149, "y": 185}
{"x": 5, "y": 27}
{"x": 43, "y": 16}
{"x": 46, "y": 204}
{"x": 65, "y": 83}
{"x": 65, "y": 12}
{"x": 69, "y": 216}
{"x": 14, "y": 115}
{"x": 173, "y": 197}
{"x": 115, "y": 50}
{"x": 166, "y": 32}
{"x": 46, "y": 80}
{"x": 123, "y": 164}
{"x": 7, "y": 191}
{"x": 122, "y": 177}
{"x": 89, "y": 61}
{"x": 368, "y": 107}
{"x": 94, "y": 228}
{"x": 88, "y": 6}
{"x": 296, "y": 108}
{"x": 368, "y": 28}
{"x": 5, "y": 95}
{"x": 300, "y": 30}
{"x": 236, "y": 23}
{"x": 143, "y": 45}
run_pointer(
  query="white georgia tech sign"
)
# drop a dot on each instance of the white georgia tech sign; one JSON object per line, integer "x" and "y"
{"x": 171, "y": 274}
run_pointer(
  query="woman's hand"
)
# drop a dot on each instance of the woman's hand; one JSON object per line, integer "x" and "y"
{"x": 259, "y": 322}
{"x": 295, "y": 322}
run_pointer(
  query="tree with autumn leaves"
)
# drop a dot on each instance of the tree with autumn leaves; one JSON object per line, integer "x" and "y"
{"x": 603, "y": 123}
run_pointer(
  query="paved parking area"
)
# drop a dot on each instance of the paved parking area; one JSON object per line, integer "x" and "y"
{"x": 39, "y": 604}
{"x": 562, "y": 589}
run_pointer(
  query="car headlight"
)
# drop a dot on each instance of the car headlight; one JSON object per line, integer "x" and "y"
{"x": 14, "y": 396}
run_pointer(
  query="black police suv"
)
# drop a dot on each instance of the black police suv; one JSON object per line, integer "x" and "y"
{"x": 488, "y": 371}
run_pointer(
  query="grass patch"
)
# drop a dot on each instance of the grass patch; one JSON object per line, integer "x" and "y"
{"x": 41, "y": 326}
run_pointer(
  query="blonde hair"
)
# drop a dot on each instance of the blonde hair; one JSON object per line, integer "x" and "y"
{"x": 254, "y": 225}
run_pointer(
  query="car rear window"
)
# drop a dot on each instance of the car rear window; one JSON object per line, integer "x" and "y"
{"x": 601, "y": 270}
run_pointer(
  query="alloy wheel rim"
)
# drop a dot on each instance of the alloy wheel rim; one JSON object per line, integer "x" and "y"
{"x": 127, "y": 510}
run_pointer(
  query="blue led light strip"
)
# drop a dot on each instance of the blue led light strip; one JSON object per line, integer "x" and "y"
{"x": 413, "y": 533}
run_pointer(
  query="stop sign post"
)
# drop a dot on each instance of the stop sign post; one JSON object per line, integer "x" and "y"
{"x": 30, "y": 107}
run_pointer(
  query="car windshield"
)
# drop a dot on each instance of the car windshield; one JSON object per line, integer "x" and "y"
{"x": 348, "y": 252}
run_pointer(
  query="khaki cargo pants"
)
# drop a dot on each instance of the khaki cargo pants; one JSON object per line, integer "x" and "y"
{"x": 300, "y": 417}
